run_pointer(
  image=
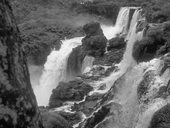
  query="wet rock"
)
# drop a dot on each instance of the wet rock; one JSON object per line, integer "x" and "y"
{"x": 72, "y": 118}
{"x": 54, "y": 120}
{"x": 166, "y": 61}
{"x": 72, "y": 91}
{"x": 144, "y": 85}
{"x": 161, "y": 118}
{"x": 117, "y": 43}
{"x": 154, "y": 44}
{"x": 102, "y": 87}
{"x": 89, "y": 105}
{"x": 94, "y": 43}
{"x": 112, "y": 56}
{"x": 97, "y": 117}
{"x": 113, "y": 116}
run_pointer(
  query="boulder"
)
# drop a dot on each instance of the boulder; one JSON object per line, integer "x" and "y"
{"x": 112, "y": 56}
{"x": 166, "y": 60}
{"x": 153, "y": 44}
{"x": 72, "y": 91}
{"x": 54, "y": 120}
{"x": 92, "y": 29}
{"x": 117, "y": 42}
{"x": 94, "y": 43}
{"x": 161, "y": 118}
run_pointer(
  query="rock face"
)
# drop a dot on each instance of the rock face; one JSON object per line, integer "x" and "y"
{"x": 72, "y": 91}
{"x": 117, "y": 43}
{"x": 94, "y": 43}
{"x": 18, "y": 107}
{"x": 155, "y": 42}
{"x": 161, "y": 118}
{"x": 54, "y": 120}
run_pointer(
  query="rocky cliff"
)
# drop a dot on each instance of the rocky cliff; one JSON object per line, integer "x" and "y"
{"x": 18, "y": 107}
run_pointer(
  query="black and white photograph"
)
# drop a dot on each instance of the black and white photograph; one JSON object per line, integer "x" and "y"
{"x": 84, "y": 63}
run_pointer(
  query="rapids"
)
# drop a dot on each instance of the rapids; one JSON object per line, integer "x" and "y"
{"x": 55, "y": 67}
{"x": 132, "y": 113}
{"x": 54, "y": 70}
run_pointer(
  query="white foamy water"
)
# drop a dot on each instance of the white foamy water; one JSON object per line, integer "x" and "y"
{"x": 121, "y": 24}
{"x": 127, "y": 61}
{"x": 55, "y": 66}
{"x": 87, "y": 64}
{"x": 54, "y": 70}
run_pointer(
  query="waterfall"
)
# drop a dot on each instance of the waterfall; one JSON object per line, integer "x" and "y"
{"x": 54, "y": 70}
{"x": 121, "y": 25}
{"x": 127, "y": 61}
{"x": 56, "y": 64}
{"x": 122, "y": 20}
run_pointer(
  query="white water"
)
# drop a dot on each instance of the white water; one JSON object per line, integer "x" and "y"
{"x": 87, "y": 64}
{"x": 127, "y": 95}
{"x": 121, "y": 24}
{"x": 132, "y": 114}
{"x": 54, "y": 70}
{"x": 55, "y": 66}
{"x": 127, "y": 61}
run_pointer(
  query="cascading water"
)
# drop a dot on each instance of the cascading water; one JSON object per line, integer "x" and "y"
{"x": 131, "y": 113}
{"x": 54, "y": 70}
{"x": 121, "y": 26}
{"x": 127, "y": 61}
{"x": 56, "y": 64}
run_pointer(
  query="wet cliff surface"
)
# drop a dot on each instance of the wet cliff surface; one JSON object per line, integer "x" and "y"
{"x": 18, "y": 104}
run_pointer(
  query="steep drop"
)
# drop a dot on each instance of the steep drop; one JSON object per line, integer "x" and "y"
{"x": 54, "y": 70}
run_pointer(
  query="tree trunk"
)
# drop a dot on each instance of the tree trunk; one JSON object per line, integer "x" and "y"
{"x": 18, "y": 106}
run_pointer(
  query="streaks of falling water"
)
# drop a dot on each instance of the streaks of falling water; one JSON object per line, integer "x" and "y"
{"x": 127, "y": 96}
{"x": 127, "y": 61}
{"x": 120, "y": 26}
{"x": 54, "y": 70}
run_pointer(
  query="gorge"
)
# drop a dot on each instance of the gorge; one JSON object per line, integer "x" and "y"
{"x": 106, "y": 76}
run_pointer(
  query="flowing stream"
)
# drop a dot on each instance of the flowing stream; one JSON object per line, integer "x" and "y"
{"x": 56, "y": 64}
{"x": 132, "y": 114}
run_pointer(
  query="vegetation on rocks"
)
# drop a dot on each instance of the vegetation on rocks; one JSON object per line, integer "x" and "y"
{"x": 72, "y": 91}
{"x": 154, "y": 44}
{"x": 94, "y": 43}
{"x": 18, "y": 107}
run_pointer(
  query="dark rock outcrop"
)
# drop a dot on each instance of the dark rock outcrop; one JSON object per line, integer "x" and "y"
{"x": 154, "y": 44}
{"x": 112, "y": 56}
{"x": 94, "y": 43}
{"x": 72, "y": 91}
{"x": 18, "y": 107}
{"x": 54, "y": 120}
{"x": 143, "y": 87}
{"x": 117, "y": 43}
{"x": 161, "y": 118}
{"x": 97, "y": 117}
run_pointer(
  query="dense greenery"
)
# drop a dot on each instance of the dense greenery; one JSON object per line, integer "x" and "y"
{"x": 155, "y": 10}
